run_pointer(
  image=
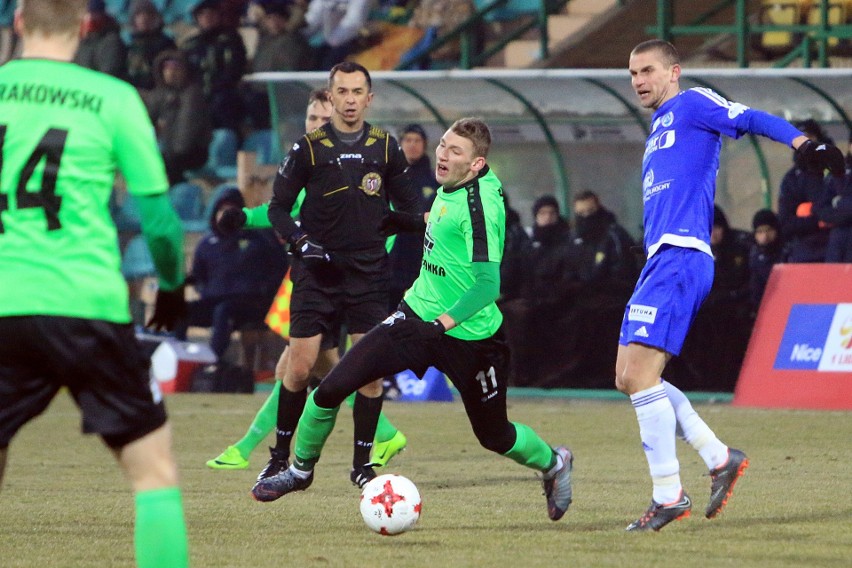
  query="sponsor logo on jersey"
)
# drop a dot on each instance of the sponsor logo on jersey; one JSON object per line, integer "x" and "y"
{"x": 641, "y": 332}
{"x": 371, "y": 183}
{"x": 661, "y": 141}
{"x": 352, "y": 156}
{"x": 433, "y": 268}
{"x": 638, "y": 312}
{"x": 649, "y": 188}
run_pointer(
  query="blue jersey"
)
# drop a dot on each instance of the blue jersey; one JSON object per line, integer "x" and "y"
{"x": 681, "y": 161}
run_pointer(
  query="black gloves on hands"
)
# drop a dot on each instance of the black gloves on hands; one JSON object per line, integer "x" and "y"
{"x": 819, "y": 157}
{"x": 396, "y": 221}
{"x": 169, "y": 307}
{"x": 413, "y": 328}
{"x": 232, "y": 220}
{"x": 311, "y": 253}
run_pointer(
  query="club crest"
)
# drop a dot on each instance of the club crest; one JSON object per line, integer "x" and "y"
{"x": 371, "y": 183}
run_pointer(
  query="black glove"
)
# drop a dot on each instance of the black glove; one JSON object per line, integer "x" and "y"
{"x": 396, "y": 221}
{"x": 232, "y": 220}
{"x": 311, "y": 253}
{"x": 169, "y": 307}
{"x": 819, "y": 157}
{"x": 409, "y": 329}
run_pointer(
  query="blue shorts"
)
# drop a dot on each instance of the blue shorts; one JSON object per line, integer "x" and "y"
{"x": 667, "y": 296}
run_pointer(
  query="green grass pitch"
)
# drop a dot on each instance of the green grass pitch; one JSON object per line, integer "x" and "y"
{"x": 65, "y": 503}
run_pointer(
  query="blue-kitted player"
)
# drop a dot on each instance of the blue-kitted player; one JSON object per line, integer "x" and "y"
{"x": 679, "y": 182}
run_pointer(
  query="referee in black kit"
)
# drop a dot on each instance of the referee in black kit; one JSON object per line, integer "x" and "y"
{"x": 350, "y": 171}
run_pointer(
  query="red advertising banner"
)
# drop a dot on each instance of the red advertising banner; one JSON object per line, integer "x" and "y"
{"x": 800, "y": 351}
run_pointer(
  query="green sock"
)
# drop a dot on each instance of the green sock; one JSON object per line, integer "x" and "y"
{"x": 160, "y": 532}
{"x": 315, "y": 425}
{"x": 530, "y": 450}
{"x": 385, "y": 430}
{"x": 264, "y": 422}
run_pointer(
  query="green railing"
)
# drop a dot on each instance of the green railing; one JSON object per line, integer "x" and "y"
{"x": 814, "y": 37}
{"x": 466, "y": 33}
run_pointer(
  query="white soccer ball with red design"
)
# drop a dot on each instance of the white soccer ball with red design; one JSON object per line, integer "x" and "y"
{"x": 390, "y": 504}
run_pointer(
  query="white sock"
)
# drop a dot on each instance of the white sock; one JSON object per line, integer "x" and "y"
{"x": 298, "y": 472}
{"x": 657, "y": 425}
{"x": 694, "y": 430}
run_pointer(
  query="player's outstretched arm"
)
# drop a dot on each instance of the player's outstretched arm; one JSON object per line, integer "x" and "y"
{"x": 164, "y": 236}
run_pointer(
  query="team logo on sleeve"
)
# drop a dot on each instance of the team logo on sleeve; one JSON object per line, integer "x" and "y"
{"x": 371, "y": 183}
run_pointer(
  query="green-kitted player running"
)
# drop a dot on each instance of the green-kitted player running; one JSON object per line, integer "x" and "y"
{"x": 64, "y": 317}
{"x": 449, "y": 320}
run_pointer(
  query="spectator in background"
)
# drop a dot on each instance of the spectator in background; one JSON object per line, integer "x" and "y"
{"x": 336, "y": 25}
{"x": 516, "y": 250}
{"x": 766, "y": 251}
{"x": 715, "y": 346}
{"x": 549, "y": 292}
{"x": 101, "y": 47}
{"x": 218, "y": 55}
{"x": 407, "y": 252}
{"x": 180, "y": 115}
{"x": 147, "y": 41}
{"x": 607, "y": 270}
{"x": 836, "y": 211}
{"x": 438, "y": 18}
{"x": 802, "y": 188}
{"x": 236, "y": 276}
{"x": 280, "y": 47}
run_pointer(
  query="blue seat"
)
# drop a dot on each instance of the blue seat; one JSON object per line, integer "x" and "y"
{"x": 222, "y": 159}
{"x": 511, "y": 10}
{"x": 188, "y": 200}
{"x": 126, "y": 217}
{"x": 263, "y": 143}
{"x": 7, "y": 12}
{"x": 136, "y": 261}
{"x": 178, "y": 11}
{"x": 118, "y": 9}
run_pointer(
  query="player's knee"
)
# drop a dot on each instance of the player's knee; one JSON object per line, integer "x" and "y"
{"x": 372, "y": 390}
{"x": 499, "y": 443}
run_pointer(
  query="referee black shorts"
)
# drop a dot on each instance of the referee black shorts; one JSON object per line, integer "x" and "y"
{"x": 101, "y": 364}
{"x": 353, "y": 293}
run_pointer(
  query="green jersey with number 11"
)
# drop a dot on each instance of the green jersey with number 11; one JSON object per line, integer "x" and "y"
{"x": 466, "y": 224}
{"x": 64, "y": 130}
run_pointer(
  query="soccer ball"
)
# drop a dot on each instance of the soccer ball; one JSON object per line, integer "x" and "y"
{"x": 390, "y": 504}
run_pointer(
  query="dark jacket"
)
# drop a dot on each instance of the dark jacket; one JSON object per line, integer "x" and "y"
{"x": 606, "y": 262}
{"x": 516, "y": 253}
{"x": 102, "y": 48}
{"x": 248, "y": 263}
{"x": 760, "y": 263}
{"x": 407, "y": 252}
{"x": 142, "y": 51}
{"x": 282, "y": 52}
{"x": 836, "y": 211}
{"x": 551, "y": 278}
{"x": 218, "y": 57}
{"x": 805, "y": 239}
{"x": 180, "y": 114}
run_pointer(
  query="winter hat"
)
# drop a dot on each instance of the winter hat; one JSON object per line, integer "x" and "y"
{"x": 415, "y": 129}
{"x": 765, "y": 217}
{"x": 545, "y": 201}
{"x": 96, "y": 6}
{"x": 719, "y": 218}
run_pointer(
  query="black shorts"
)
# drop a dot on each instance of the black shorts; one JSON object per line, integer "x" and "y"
{"x": 478, "y": 369}
{"x": 100, "y": 363}
{"x": 353, "y": 293}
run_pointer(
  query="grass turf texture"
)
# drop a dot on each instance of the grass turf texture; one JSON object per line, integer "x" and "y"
{"x": 65, "y": 504}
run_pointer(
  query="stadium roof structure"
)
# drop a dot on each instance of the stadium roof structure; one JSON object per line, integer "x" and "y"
{"x": 561, "y": 106}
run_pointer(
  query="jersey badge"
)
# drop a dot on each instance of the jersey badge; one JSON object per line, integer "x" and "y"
{"x": 667, "y": 119}
{"x": 371, "y": 183}
{"x": 327, "y": 143}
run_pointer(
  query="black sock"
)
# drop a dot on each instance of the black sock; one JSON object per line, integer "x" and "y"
{"x": 290, "y": 406}
{"x": 365, "y": 414}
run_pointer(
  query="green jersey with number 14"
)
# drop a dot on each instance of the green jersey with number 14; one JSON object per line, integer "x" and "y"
{"x": 64, "y": 130}
{"x": 466, "y": 224}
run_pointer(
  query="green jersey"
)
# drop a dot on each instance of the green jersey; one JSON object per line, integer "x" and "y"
{"x": 64, "y": 130}
{"x": 466, "y": 224}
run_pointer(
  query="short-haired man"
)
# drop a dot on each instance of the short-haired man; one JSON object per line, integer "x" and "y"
{"x": 679, "y": 184}
{"x": 448, "y": 319}
{"x": 64, "y": 316}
